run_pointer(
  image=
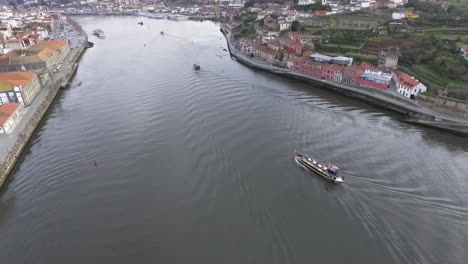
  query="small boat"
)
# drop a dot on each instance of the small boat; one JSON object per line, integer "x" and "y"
{"x": 89, "y": 44}
{"x": 162, "y": 32}
{"x": 98, "y": 32}
{"x": 330, "y": 172}
{"x": 140, "y": 23}
{"x": 196, "y": 67}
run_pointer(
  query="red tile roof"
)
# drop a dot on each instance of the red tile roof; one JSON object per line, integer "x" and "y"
{"x": 367, "y": 66}
{"x": 406, "y": 80}
{"x": 265, "y": 49}
{"x": 50, "y": 44}
{"x": 9, "y": 109}
{"x": 353, "y": 71}
{"x": 17, "y": 78}
{"x": 3, "y": 119}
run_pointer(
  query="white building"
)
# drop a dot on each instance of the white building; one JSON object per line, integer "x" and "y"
{"x": 340, "y": 60}
{"x": 284, "y": 25}
{"x": 464, "y": 51}
{"x": 5, "y": 13}
{"x": 306, "y": 2}
{"x": 43, "y": 33}
{"x": 302, "y": 14}
{"x": 398, "y": 15}
{"x": 399, "y": 2}
{"x": 407, "y": 85}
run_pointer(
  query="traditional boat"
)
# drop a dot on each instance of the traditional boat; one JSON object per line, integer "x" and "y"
{"x": 330, "y": 172}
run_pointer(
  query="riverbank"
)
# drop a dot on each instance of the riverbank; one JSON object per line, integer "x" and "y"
{"x": 137, "y": 14}
{"x": 411, "y": 111}
{"x": 16, "y": 142}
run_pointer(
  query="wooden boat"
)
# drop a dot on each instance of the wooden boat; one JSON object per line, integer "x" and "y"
{"x": 330, "y": 172}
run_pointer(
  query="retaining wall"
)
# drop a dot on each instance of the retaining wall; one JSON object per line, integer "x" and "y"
{"x": 445, "y": 105}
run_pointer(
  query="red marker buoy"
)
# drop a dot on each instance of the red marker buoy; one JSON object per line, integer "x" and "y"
{"x": 95, "y": 163}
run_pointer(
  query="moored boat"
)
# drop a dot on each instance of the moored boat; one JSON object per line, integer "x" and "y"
{"x": 98, "y": 32}
{"x": 330, "y": 172}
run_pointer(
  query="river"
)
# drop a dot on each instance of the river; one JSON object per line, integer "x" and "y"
{"x": 198, "y": 167}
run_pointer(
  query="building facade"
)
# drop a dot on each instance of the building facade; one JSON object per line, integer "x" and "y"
{"x": 264, "y": 53}
{"x": 407, "y": 85}
{"x": 19, "y": 87}
{"x": 44, "y": 55}
{"x": 10, "y": 115}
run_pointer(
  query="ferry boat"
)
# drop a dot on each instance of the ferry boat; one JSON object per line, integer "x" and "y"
{"x": 98, "y": 32}
{"x": 330, "y": 172}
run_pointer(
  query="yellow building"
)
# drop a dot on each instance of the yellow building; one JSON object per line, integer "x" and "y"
{"x": 411, "y": 15}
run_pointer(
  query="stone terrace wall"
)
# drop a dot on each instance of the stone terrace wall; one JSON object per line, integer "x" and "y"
{"x": 445, "y": 105}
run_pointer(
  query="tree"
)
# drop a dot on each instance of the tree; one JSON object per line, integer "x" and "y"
{"x": 249, "y": 3}
{"x": 295, "y": 26}
{"x": 338, "y": 37}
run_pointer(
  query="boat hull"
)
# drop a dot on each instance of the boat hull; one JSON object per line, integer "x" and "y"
{"x": 306, "y": 166}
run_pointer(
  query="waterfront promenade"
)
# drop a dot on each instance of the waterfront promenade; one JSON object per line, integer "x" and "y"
{"x": 413, "y": 112}
{"x": 11, "y": 144}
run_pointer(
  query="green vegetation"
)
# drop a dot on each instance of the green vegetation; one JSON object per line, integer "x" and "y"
{"x": 250, "y": 3}
{"x": 428, "y": 76}
{"x": 438, "y": 55}
{"x": 451, "y": 7}
{"x": 447, "y": 12}
{"x": 295, "y": 26}
{"x": 357, "y": 56}
{"x": 247, "y": 17}
{"x": 245, "y": 30}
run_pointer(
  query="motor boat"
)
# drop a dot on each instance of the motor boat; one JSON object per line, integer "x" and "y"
{"x": 329, "y": 172}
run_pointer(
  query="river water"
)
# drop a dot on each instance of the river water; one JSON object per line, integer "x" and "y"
{"x": 198, "y": 167}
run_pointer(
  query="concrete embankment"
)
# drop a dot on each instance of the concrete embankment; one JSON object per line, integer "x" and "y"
{"x": 35, "y": 119}
{"x": 411, "y": 111}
